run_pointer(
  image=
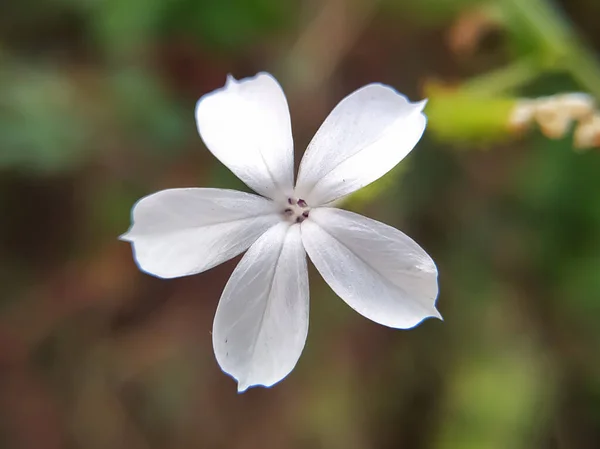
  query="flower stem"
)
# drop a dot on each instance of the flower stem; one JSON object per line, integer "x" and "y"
{"x": 585, "y": 69}
{"x": 564, "y": 51}
{"x": 503, "y": 80}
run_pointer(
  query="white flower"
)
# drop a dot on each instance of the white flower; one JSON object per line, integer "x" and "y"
{"x": 261, "y": 322}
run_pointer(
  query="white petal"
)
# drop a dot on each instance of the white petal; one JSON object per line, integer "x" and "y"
{"x": 262, "y": 320}
{"x": 246, "y": 125}
{"x": 178, "y": 232}
{"x": 379, "y": 271}
{"x": 363, "y": 138}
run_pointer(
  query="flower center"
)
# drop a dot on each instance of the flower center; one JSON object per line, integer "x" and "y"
{"x": 296, "y": 210}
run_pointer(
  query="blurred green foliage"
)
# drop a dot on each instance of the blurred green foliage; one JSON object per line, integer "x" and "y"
{"x": 125, "y": 27}
{"x": 40, "y": 124}
{"x": 96, "y": 110}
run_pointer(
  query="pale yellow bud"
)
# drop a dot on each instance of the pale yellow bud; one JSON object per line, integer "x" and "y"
{"x": 521, "y": 115}
{"x": 587, "y": 134}
{"x": 553, "y": 119}
{"x": 577, "y": 105}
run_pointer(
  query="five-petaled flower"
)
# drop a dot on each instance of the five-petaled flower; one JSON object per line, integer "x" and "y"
{"x": 261, "y": 321}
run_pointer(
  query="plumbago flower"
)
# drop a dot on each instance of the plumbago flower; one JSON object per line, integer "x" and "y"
{"x": 261, "y": 321}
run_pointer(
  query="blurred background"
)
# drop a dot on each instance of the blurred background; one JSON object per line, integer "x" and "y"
{"x": 96, "y": 111}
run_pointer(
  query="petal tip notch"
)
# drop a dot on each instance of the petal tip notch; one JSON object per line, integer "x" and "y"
{"x": 230, "y": 80}
{"x": 125, "y": 237}
{"x": 421, "y": 104}
{"x": 242, "y": 387}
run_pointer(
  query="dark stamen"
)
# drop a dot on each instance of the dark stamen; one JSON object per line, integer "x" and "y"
{"x": 305, "y": 214}
{"x": 299, "y": 219}
{"x": 302, "y": 203}
{"x": 290, "y": 201}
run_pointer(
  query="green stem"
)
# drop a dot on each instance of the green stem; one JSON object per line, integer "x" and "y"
{"x": 564, "y": 50}
{"x": 503, "y": 80}
{"x": 584, "y": 68}
{"x": 543, "y": 21}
